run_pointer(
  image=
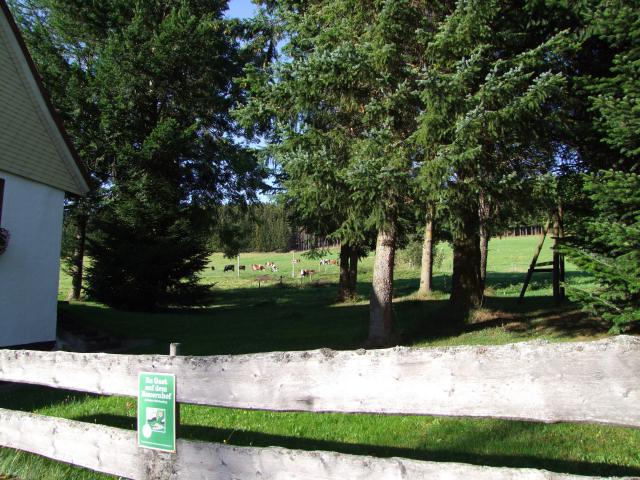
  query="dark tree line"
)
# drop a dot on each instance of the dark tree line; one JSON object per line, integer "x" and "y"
{"x": 255, "y": 228}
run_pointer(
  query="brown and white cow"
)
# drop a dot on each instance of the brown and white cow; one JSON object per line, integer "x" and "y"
{"x": 257, "y": 268}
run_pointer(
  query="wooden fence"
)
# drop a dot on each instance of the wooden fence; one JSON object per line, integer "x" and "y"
{"x": 522, "y": 231}
{"x": 595, "y": 382}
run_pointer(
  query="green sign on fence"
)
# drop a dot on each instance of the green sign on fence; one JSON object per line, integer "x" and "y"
{"x": 157, "y": 411}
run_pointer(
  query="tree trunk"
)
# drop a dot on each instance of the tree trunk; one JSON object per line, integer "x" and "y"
{"x": 484, "y": 251}
{"x": 380, "y": 306}
{"x": 426, "y": 269}
{"x": 78, "y": 258}
{"x": 343, "y": 284}
{"x": 484, "y": 214}
{"x": 466, "y": 285}
{"x": 353, "y": 272}
{"x": 347, "y": 286}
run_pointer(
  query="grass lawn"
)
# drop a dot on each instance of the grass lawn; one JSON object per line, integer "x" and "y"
{"x": 294, "y": 314}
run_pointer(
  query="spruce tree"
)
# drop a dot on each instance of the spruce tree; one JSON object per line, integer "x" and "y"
{"x": 348, "y": 85}
{"x": 606, "y": 240}
{"x": 607, "y": 245}
{"x": 615, "y": 92}
{"x": 490, "y": 93}
{"x": 159, "y": 83}
{"x": 64, "y": 64}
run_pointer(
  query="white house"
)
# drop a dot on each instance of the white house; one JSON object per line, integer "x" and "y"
{"x": 37, "y": 166}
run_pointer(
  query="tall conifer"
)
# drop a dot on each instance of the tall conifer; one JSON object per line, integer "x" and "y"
{"x": 490, "y": 103}
{"x": 157, "y": 78}
{"x": 348, "y": 80}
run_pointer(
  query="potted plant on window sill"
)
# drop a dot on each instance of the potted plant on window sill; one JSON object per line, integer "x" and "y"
{"x": 4, "y": 240}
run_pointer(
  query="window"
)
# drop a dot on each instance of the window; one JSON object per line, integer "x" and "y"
{"x": 1, "y": 197}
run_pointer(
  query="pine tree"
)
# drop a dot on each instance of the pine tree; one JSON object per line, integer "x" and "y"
{"x": 63, "y": 63}
{"x": 490, "y": 93}
{"x": 348, "y": 87}
{"x": 607, "y": 245}
{"x": 606, "y": 240}
{"x": 158, "y": 80}
{"x": 615, "y": 94}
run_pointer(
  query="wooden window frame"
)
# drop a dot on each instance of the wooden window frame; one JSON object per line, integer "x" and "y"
{"x": 1, "y": 197}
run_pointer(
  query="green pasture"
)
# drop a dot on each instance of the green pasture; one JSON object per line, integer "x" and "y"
{"x": 294, "y": 314}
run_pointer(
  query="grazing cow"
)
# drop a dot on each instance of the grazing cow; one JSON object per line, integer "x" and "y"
{"x": 295, "y": 261}
{"x": 212, "y": 267}
{"x": 229, "y": 268}
{"x": 270, "y": 264}
{"x": 333, "y": 261}
{"x": 257, "y": 268}
{"x": 242, "y": 267}
{"x": 307, "y": 273}
{"x": 274, "y": 268}
{"x": 324, "y": 261}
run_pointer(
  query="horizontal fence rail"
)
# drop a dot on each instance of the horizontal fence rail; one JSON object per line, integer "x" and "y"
{"x": 594, "y": 382}
{"x": 113, "y": 450}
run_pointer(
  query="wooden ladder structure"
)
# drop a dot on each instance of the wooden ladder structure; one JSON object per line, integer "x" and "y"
{"x": 556, "y": 266}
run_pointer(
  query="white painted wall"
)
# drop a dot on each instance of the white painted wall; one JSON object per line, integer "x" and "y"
{"x": 29, "y": 269}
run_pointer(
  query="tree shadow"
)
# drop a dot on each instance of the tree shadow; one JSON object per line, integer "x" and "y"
{"x": 539, "y": 281}
{"x": 307, "y": 316}
{"x": 271, "y": 321}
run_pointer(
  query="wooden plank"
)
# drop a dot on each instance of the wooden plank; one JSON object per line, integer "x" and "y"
{"x": 99, "y": 448}
{"x": 593, "y": 382}
{"x": 532, "y": 266}
{"x": 112, "y": 450}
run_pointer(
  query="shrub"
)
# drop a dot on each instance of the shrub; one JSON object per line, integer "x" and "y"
{"x": 412, "y": 254}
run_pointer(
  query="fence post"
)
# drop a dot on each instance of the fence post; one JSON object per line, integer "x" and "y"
{"x": 174, "y": 351}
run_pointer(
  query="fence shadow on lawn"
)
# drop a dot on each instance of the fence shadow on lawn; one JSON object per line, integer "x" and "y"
{"x": 29, "y": 398}
{"x": 462, "y": 451}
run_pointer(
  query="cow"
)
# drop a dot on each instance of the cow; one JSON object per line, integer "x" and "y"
{"x": 212, "y": 267}
{"x": 333, "y": 261}
{"x": 270, "y": 264}
{"x": 306, "y": 273}
{"x": 324, "y": 261}
{"x": 257, "y": 268}
{"x": 295, "y": 261}
{"x": 242, "y": 267}
{"x": 274, "y": 268}
{"x": 229, "y": 268}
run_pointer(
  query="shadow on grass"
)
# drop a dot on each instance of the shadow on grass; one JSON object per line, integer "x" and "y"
{"x": 461, "y": 450}
{"x": 540, "y": 280}
{"x": 264, "y": 323}
{"x": 306, "y": 316}
{"x": 29, "y": 398}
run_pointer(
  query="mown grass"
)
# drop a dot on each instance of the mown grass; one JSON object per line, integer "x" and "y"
{"x": 304, "y": 315}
